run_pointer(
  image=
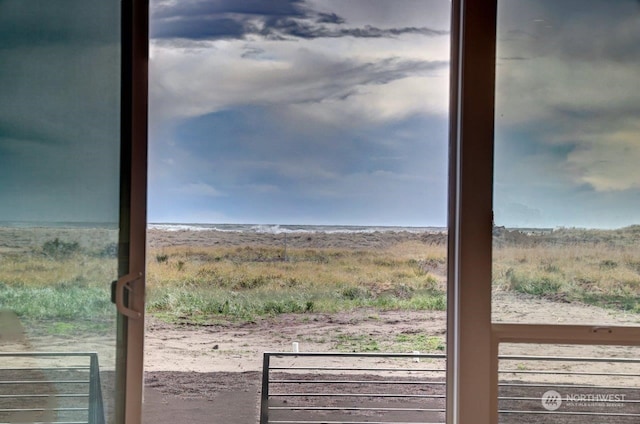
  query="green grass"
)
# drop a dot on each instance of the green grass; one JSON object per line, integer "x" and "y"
{"x": 356, "y": 343}
{"x": 423, "y": 343}
{"x": 419, "y": 342}
{"x": 60, "y": 287}
{"x": 536, "y": 285}
{"x": 202, "y": 305}
{"x": 57, "y": 302}
{"x": 61, "y": 309}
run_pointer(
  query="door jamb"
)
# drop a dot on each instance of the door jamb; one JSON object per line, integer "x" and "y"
{"x": 133, "y": 201}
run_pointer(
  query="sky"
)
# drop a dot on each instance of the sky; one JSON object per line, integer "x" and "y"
{"x": 299, "y": 112}
{"x": 319, "y": 112}
{"x": 59, "y": 111}
{"x": 568, "y": 114}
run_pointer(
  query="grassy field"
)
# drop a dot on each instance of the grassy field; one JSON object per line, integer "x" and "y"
{"x": 202, "y": 284}
{"x": 598, "y": 274}
{"x": 59, "y": 287}
{"x": 65, "y": 284}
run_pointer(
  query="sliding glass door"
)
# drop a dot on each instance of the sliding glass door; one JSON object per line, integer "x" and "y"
{"x": 64, "y": 229}
{"x": 565, "y": 241}
{"x": 544, "y": 195}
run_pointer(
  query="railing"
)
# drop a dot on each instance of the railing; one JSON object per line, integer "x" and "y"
{"x": 57, "y": 388}
{"x": 391, "y": 386}
{"x": 384, "y": 388}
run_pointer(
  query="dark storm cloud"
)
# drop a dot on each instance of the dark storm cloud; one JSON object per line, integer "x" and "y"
{"x": 161, "y": 10}
{"x": 329, "y": 18}
{"x": 282, "y": 27}
{"x": 216, "y": 19}
{"x": 273, "y": 20}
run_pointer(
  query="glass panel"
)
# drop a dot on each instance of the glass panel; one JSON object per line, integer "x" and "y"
{"x": 298, "y": 197}
{"x": 59, "y": 196}
{"x": 569, "y": 384}
{"x": 566, "y": 192}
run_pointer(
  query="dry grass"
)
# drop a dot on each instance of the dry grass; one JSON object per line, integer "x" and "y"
{"x": 596, "y": 273}
{"x": 51, "y": 280}
{"x": 245, "y": 282}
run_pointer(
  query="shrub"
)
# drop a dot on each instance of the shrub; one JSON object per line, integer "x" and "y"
{"x": 161, "y": 258}
{"x": 403, "y": 291}
{"x": 250, "y": 283}
{"x": 109, "y": 251}
{"x": 59, "y": 249}
{"x": 353, "y": 293}
{"x": 542, "y": 286}
{"x": 180, "y": 265}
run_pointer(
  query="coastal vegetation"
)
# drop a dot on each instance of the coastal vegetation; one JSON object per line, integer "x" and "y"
{"x": 59, "y": 287}
{"x": 597, "y": 267}
{"x": 209, "y": 283}
{"x": 64, "y": 284}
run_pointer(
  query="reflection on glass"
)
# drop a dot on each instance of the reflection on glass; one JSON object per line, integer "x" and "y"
{"x": 568, "y": 384}
{"x": 567, "y": 191}
{"x": 59, "y": 185}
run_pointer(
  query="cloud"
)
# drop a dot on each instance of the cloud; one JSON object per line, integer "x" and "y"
{"x": 166, "y": 9}
{"x": 199, "y": 20}
{"x": 330, "y": 79}
{"x": 196, "y": 82}
{"x": 199, "y": 189}
{"x": 302, "y": 113}
{"x": 576, "y": 88}
{"x": 609, "y": 164}
{"x": 273, "y": 168}
{"x": 567, "y": 107}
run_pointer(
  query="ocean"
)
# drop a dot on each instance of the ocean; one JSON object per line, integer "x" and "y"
{"x": 239, "y": 228}
{"x": 280, "y": 229}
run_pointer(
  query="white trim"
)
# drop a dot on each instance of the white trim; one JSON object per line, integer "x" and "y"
{"x": 566, "y": 334}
